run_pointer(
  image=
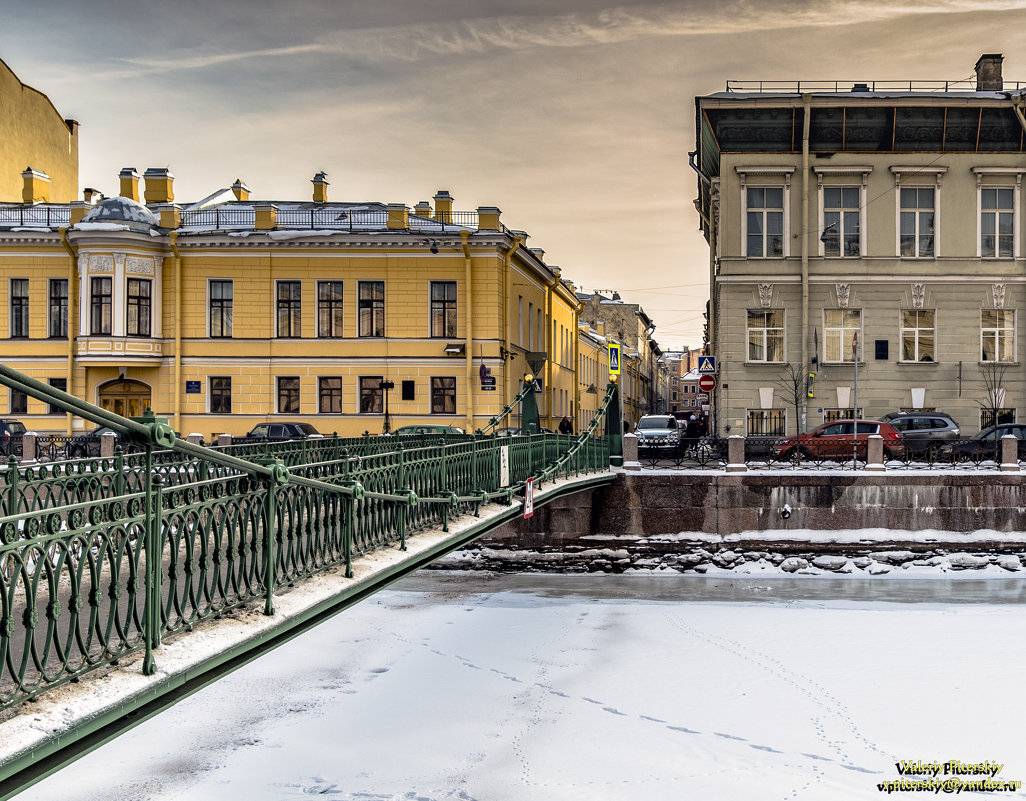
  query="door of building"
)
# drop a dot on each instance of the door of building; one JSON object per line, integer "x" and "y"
{"x": 125, "y": 397}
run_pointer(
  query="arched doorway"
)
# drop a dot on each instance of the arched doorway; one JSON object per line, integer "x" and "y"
{"x": 125, "y": 397}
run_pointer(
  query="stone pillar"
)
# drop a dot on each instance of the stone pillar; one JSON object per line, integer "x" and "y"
{"x": 630, "y": 452}
{"x": 1009, "y": 454}
{"x": 195, "y": 439}
{"x": 874, "y": 457}
{"x": 28, "y": 446}
{"x": 108, "y": 441}
{"x": 736, "y": 454}
{"x": 224, "y": 439}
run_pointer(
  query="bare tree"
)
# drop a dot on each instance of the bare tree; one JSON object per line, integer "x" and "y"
{"x": 794, "y": 382}
{"x": 993, "y": 401}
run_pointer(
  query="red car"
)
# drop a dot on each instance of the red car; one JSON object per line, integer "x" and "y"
{"x": 834, "y": 441}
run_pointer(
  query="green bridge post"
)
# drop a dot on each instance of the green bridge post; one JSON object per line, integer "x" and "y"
{"x": 614, "y": 426}
{"x": 154, "y": 564}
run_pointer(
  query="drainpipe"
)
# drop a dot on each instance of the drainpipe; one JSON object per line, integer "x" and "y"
{"x": 72, "y": 318}
{"x": 806, "y": 115}
{"x": 507, "y": 288}
{"x": 173, "y": 239}
{"x": 710, "y": 226}
{"x": 468, "y": 346}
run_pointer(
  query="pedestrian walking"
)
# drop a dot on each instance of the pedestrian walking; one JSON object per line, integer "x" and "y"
{"x": 691, "y": 437}
{"x": 565, "y": 426}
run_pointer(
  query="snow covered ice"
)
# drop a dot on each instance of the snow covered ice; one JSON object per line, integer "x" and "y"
{"x": 462, "y": 686}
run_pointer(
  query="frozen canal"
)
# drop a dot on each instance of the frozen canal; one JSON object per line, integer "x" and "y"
{"x": 462, "y": 686}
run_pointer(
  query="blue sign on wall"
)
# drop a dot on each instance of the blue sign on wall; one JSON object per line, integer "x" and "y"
{"x": 193, "y": 388}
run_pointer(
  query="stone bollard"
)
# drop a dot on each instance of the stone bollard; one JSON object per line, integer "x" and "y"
{"x": 736, "y": 454}
{"x": 1009, "y": 454}
{"x": 630, "y": 452}
{"x": 224, "y": 439}
{"x": 28, "y": 446}
{"x": 108, "y": 441}
{"x": 195, "y": 439}
{"x": 874, "y": 454}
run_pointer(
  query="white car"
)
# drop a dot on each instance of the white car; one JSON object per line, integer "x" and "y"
{"x": 658, "y": 431}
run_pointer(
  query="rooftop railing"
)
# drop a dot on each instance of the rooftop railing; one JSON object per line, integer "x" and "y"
{"x": 797, "y": 87}
{"x": 34, "y": 216}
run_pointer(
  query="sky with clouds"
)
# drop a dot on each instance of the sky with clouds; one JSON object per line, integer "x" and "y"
{"x": 575, "y": 117}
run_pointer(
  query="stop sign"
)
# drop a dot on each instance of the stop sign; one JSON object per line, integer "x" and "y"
{"x": 707, "y": 383}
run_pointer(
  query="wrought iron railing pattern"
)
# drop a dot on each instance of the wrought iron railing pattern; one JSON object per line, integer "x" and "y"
{"x": 101, "y": 558}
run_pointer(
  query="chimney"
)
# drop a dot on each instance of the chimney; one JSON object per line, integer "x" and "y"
{"x": 159, "y": 185}
{"x": 423, "y": 209}
{"x": 988, "y": 73}
{"x": 320, "y": 182}
{"x": 35, "y": 186}
{"x": 443, "y": 206}
{"x": 240, "y": 189}
{"x": 129, "y": 183}
{"x": 91, "y": 196}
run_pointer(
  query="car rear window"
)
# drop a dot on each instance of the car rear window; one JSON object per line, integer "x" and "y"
{"x": 868, "y": 428}
{"x": 306, "y": 428}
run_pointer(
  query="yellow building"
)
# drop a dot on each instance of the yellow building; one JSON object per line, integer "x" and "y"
{"x": 38, "y": 142}
{"x": 229, "y": 312}
{"x": 592, "y": 374}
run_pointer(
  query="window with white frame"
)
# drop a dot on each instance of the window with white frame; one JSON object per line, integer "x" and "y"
{"x": 839, "y": 329}
{"x": 764, "y": 218}
{"x": 918, "y": 217}
{"x": 997, "y": 335}
{"x": 917, "y": 335}
{"x": 841, "y": 221}
{"x": 765, "y": 335}
{"x": 997, "y": 222}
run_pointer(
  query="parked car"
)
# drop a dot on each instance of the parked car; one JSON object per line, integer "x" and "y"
{"x": 987, "y": 444}
{"x": 405, "y": 431}
{"x": 516, "y": 431}
{"x": 658, "y": 431}
{"x": 88, "y": 445}
{"x": 834, "y": 441}
{"x": 921, "y": 430}
{"x": 11, "y": 432}
{"x": 281, "y": 431}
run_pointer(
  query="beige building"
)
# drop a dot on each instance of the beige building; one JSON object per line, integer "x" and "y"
{"x": 866, "y": 241}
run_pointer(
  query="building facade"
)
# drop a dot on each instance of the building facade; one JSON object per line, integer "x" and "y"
{"x": 866, "y": 250}
{"x": 592, "y": 374}
{"x": 229, "y": 312}
{"x": 38, "y": 147}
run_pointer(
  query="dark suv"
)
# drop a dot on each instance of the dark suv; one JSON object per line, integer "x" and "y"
{"x": 11, "y": 433}
{"x": 290, "y": 430}
{"x": 921, "y": 430}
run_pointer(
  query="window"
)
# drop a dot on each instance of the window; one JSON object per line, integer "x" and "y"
{"x": 443, "y": 308}
{"x": 220, "y": 395}
{"x": 62, "y": 385}
{"x": 917, "y": 222}
{"x": 841, "y": 221}
{"x": 289, "y": 308}
{"x": 995, "y": 417}
{"x": 102, "y": 304}
{"x": 409, "y": 390}
{"x": 839, "y": 329}
{"x": 372, "y": 309}
{"x": 829, "y": 415}
{"x": 997, "y": 223}
{"x": 764, "y": 215}
{"x": 58, "y": 317}
{"x": 329, "y": 394}
{"x": 443, "y": 395}
{"x": 19, "y": 402}
{"x": 530, "y": 326}
{"x": 917, "y": 335}
{"x": 288, "y": 394}
{"x": 371, "y": 395}
{"x": 329, "y": 308}
{"x": 520, "y": 320}
{"x": 767, "y": 422}
{"x": 221, "y": 309}
{"x": 19, "y": 307}
{"x": 997, "y": 332}
{"x": 765, "y": 335}
{"x": 137, "y": 323}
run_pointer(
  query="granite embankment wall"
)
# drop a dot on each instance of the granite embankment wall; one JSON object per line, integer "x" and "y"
{"x": 686, "y": 520}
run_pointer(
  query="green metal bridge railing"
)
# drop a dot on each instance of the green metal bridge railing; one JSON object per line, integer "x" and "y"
{"x": 101, "y": 558}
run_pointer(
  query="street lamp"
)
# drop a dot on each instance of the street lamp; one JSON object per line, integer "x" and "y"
{"x": 385, "y": 386}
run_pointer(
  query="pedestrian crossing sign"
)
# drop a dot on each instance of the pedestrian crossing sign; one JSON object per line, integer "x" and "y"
{"x": 614, "y": 358}
{"x": 707, "y": 364}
